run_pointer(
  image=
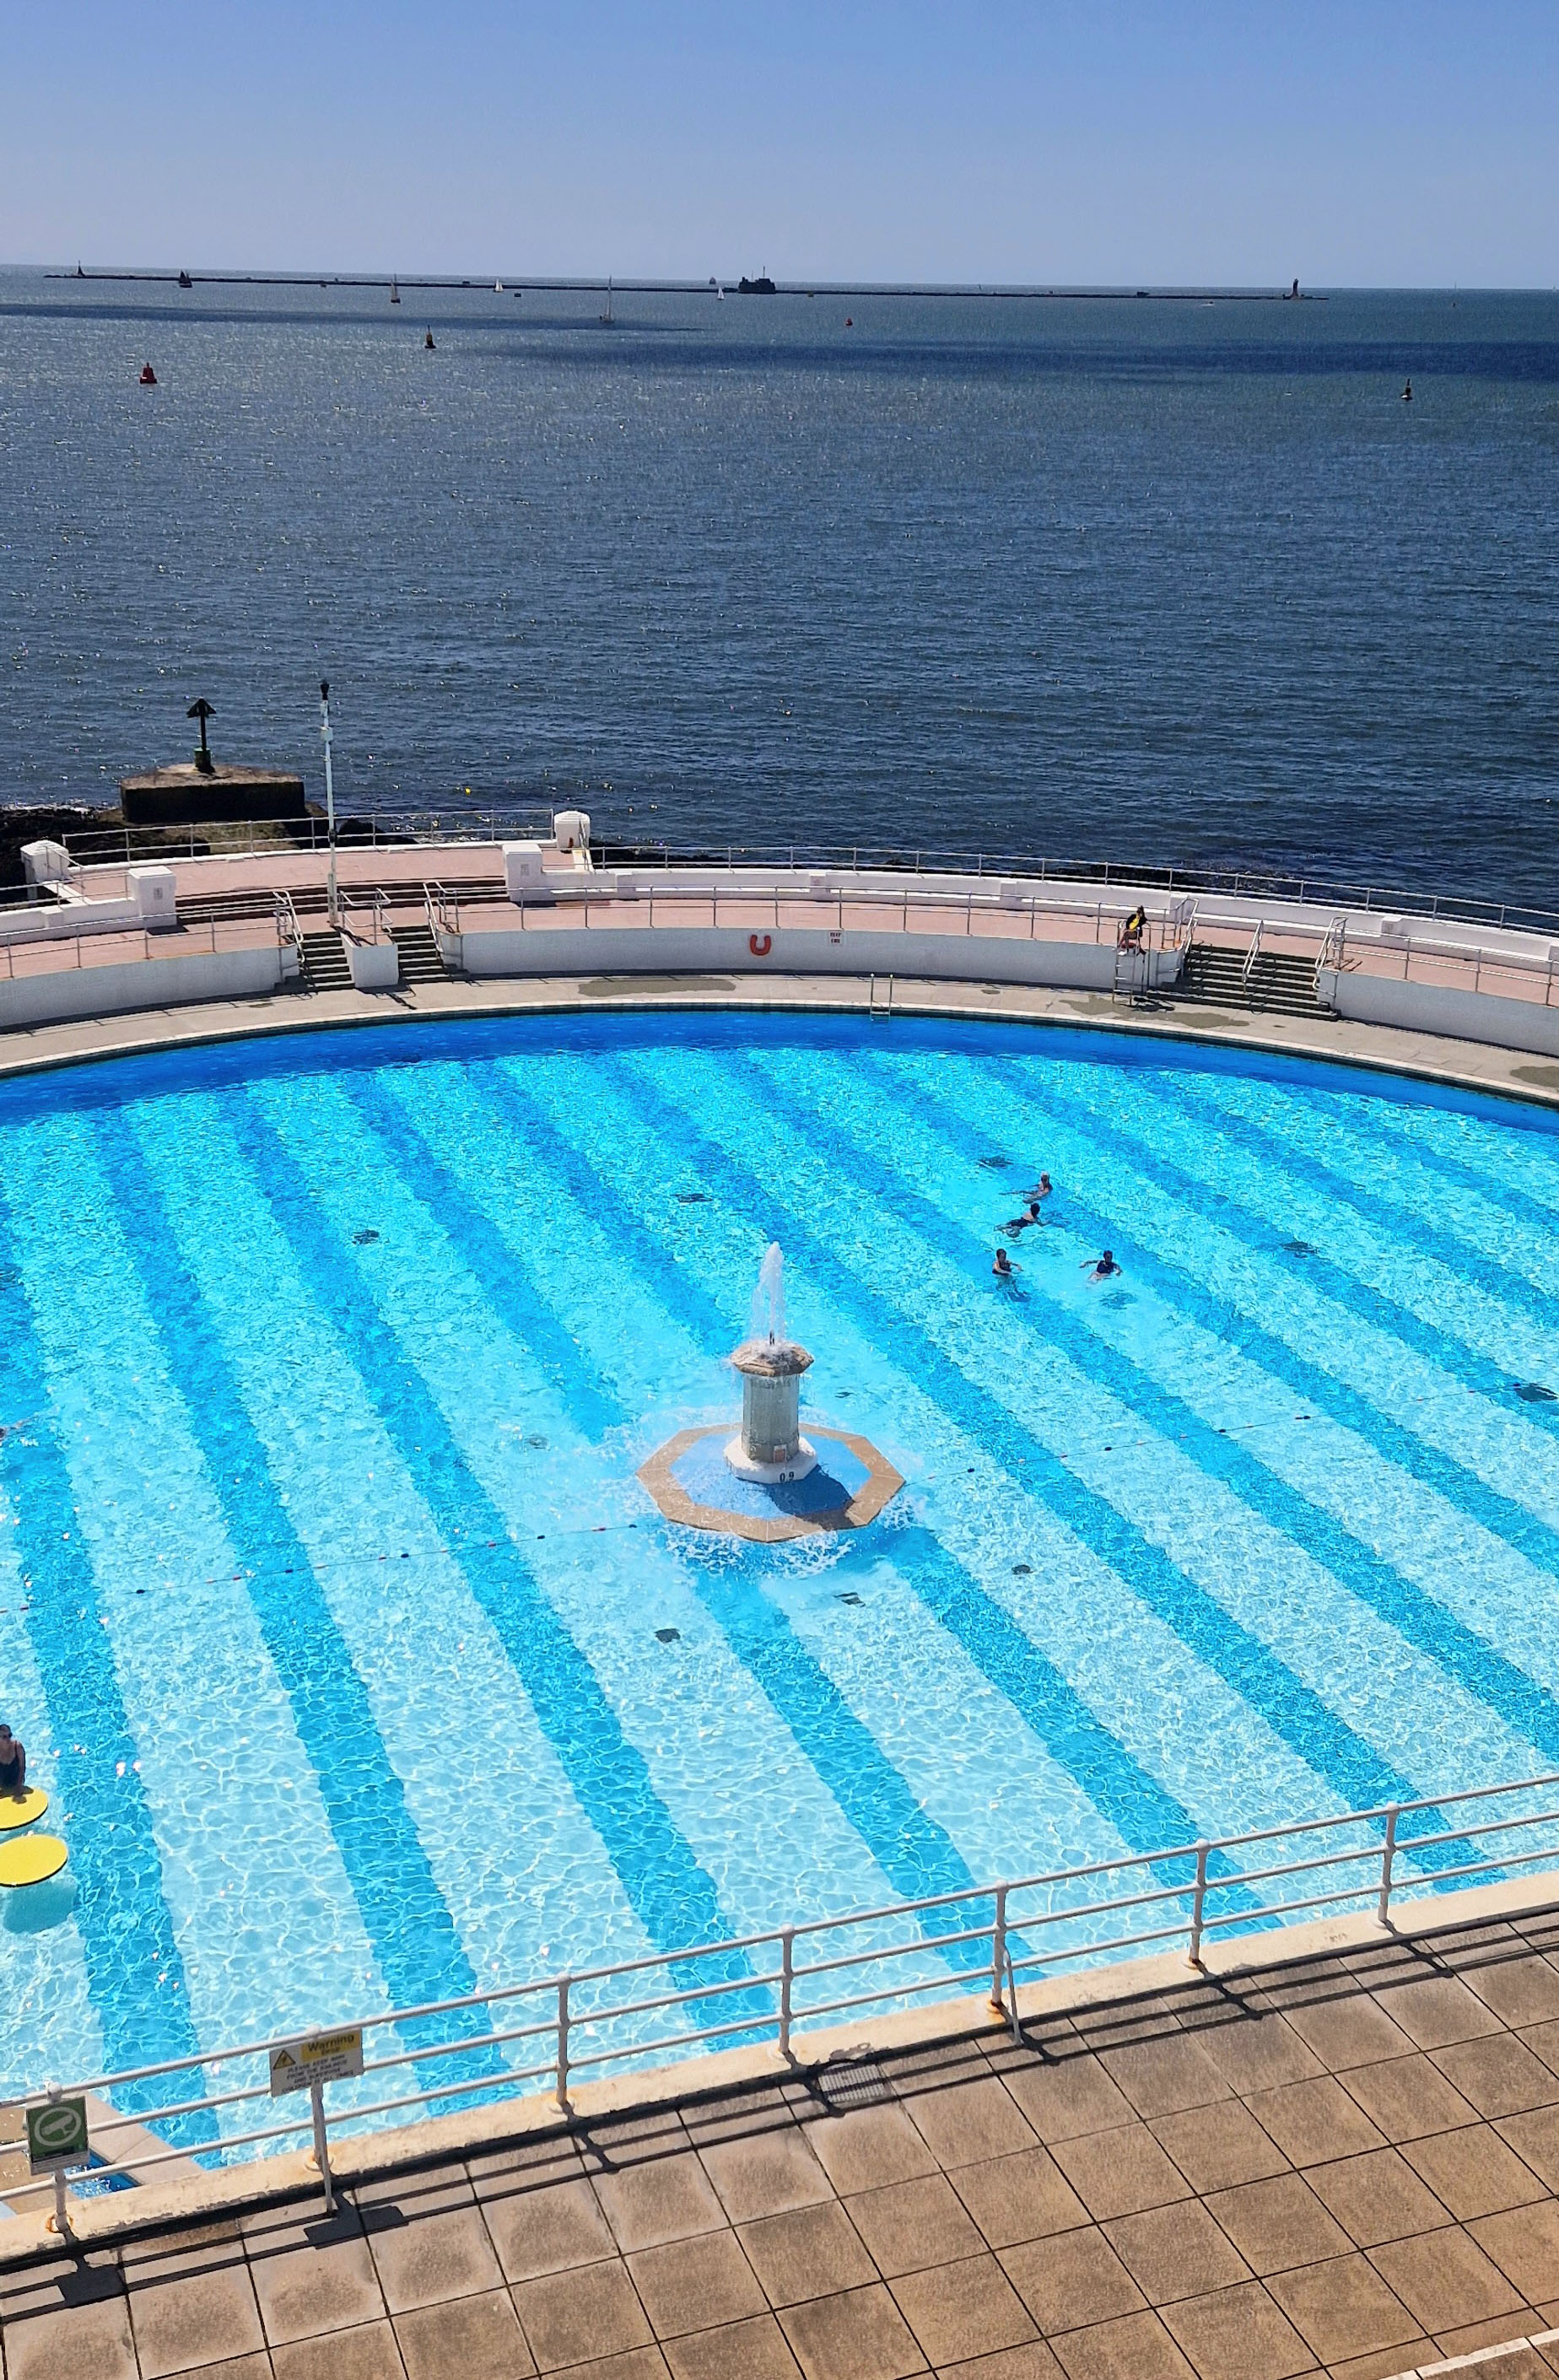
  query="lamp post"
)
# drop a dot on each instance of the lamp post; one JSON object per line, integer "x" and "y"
{"x": 329, "y": 794}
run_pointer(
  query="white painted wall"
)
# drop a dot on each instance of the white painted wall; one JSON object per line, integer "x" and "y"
{"x": 1435, "y": 1008}
{"x": 795, "y": 950}
{"x": 139, "y": 983}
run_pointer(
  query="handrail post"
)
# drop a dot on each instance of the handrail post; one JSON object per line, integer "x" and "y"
{"x": 563, "y": 2020}
{"x": 998, "y": 1951}
{"x": 321, "y": 2144}
{"x": 787, "y": 1982}
{"x": 1199, "y": 1895}
{"x": 1388, "y": 1859}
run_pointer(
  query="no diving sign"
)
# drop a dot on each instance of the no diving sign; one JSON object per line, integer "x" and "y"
{"x": 56, "y": 2135}
{"x": 318, "y": 2057}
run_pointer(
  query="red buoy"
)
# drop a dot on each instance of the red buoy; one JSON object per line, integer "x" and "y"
{"x": 148, "y": 377}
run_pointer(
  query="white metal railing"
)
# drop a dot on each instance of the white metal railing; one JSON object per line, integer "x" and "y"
{"x": 767, "y": 1989}
{"x": 1252, "y": 954}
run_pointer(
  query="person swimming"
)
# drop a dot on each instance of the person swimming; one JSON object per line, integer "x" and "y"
{"x": 1102, "y": 1270}
{"x": 1004, "y": 1267}
{"x": 12, "y": 1762}
{"x": 1044, "y": 1188}
{"x": 1025, "y": 1223}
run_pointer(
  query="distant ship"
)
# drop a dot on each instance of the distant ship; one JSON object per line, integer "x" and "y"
{"x": 184, "y": 282}
{"x": 762, "y": 287}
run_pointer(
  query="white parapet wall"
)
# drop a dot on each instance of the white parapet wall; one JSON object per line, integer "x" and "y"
{"x": 1414, "y": 1007}
{"x": 64, "y": 993}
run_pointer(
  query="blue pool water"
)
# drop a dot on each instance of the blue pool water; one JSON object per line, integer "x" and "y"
{"x": 364, "y": 1672}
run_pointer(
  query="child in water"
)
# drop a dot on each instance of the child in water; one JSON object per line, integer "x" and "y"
{"x": 1004, "y": 1267}
{"x": 1103, "y": 1270}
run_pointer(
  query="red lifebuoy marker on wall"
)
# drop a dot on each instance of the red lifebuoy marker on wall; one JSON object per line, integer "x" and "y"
{"x": 760, "y": 946}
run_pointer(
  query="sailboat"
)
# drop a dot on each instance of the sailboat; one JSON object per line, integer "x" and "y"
{"x": 394, "y": 291}
{"x": 498, "y": 288}
{"x": 607, "y": 316}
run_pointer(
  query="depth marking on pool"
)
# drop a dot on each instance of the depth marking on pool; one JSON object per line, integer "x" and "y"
{"x": 861, "y": 1504}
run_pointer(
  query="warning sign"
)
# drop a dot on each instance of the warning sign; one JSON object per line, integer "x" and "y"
{"x": 318, "y": 2057}
{"x": 56, "y": 2135}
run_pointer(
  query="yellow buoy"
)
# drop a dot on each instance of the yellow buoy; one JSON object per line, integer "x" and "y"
{"x": 21, "y": 1809}
{"x": 31, "y": 1859}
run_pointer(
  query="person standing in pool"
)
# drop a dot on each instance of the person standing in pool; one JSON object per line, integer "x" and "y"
{"x": 1004, "y": 1267}
{"x": 1105, "y": 1268}
{"x": 12, "y": 1762}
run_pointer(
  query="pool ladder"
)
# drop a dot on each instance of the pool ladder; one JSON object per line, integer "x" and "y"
{"x": 883, "y": 1009}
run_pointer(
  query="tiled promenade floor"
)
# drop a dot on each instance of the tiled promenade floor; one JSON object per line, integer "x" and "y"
{"x": 1345, "y": 2165}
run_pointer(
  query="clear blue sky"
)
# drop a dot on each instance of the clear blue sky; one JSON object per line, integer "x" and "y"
{"x": 1376, "y": 142}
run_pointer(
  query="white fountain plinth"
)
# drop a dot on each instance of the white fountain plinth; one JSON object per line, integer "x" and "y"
{"x": 770, "y": 1447}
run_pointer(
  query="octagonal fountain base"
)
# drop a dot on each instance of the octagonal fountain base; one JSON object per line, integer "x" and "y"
{"x": 848, "y": 1483}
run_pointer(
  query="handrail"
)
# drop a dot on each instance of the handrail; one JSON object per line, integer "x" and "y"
{"x": 755, "y": 1989}
{"x": 1252, "y": 954}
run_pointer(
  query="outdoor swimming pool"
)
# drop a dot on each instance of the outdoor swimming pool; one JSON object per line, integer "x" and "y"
{"x": 363, "y": 1672}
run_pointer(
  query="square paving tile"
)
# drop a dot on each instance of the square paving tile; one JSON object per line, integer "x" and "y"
{"x": 1437, "y": 2011}
{"x": 666, "y": 2198}
{"x": 1343, "y": 2309}
{"x": 1500, "y": 2076}
{"x": 806, "y": 2254}
{"x": 439, "y": 2249}
{"x": 696, "y": 2284}
{"x": 1017, "y": 2198}
{"x": 960, "y": 2310}
{"x": 766, "y": 2173}
{"x": 1473, "y": 2172}
{"x": 1176, "y": 2252}
{"x": 1134, "y": 2346}
{"x": 970, "y": 2121}
{"x": 1535, "y": 2138}
{"x": 1033, "y": 2361}
{"x": 546, "y": 2230}
{"x": 1259, "y": 2052}
{"x": 1376, "y": 2197}
{"x": 1314, "y": 2122}
{"x": 1279, "y": 2224}
{"x": 872, "y": 2146}
{"x": 860, "y": 2335}
{"x": 756, "y": 2349}
{"x": 912, "y": 2225}
{"x": 465, "y": 2339}
{"x": 1220, "y": 2146}
{"x": 1521, "y": 1990}
{"x": 59, "y": 2340}
{"x": 1074, "y": 2278}
{"x": 312, "y": 2275}
{"x": 1072, "y": 2096}
{"x": 1345, "y": 2029}
{"x": 1445, "y": 2279}
{"x": 578, "y": 2316}
{"x": 1163, "y": 2076}
{"x": 1120, "y": 2172}
{"x": 1524, "y": 2243}
{"x": 189, "y": 2307}
{"x": 369, "y": 2353}
{"x": 1405, "y": 2097}
{"x": 1238, "y": 2334}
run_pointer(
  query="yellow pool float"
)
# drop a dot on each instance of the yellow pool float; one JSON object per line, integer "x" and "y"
{"x": 23, "y": 1809}
{"x": 32, "y": 1859}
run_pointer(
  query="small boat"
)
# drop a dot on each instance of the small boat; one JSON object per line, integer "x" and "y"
{"x": 607, "y": 316}
{"x": 184, "y": 282}
{"x": 394, "y": 291}
{"x": 1408, "y": 394}
{"x": 427, "y": 340}
{"x": 498, "y": 288}
{"x": 148, "y": 377}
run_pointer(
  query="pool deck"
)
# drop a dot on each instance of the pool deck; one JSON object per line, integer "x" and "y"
{"x": 1472, "y": 1065}
{"x": 1339, "y": 2163}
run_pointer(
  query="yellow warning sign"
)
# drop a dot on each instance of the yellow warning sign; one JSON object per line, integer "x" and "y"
{"x": 318, "y": 2057}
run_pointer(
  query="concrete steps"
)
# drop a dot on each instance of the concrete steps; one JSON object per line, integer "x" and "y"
{"x": 324, "y": 963}
{"x": 1277, "y": 985}
{"x": 421, "y": 959}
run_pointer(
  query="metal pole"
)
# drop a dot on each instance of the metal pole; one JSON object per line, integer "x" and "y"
{"x": 562, "y": 2093}
{"x": 998, "y": 1951}
{"x": 321, "y": 2146}
{"x": 1388, "y": 1857}
{"x": 1198, "y": 1896}
{"x": 787, "y": 1979}
{"x": 329, "y": 794}
{"x": 61, "y": 2219}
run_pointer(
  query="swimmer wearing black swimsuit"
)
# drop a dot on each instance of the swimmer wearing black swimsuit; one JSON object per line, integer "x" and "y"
{"x": 12, "y": 1762}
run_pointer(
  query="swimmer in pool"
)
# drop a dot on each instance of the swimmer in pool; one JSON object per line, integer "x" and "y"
{"x": 1044, "y": 1188}
{"x": 12, "y": 1762}
{"x": 1025, "y": 1223}
{"x": 1004, "y": 1267}
{"x": 1105, "y": 1267}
